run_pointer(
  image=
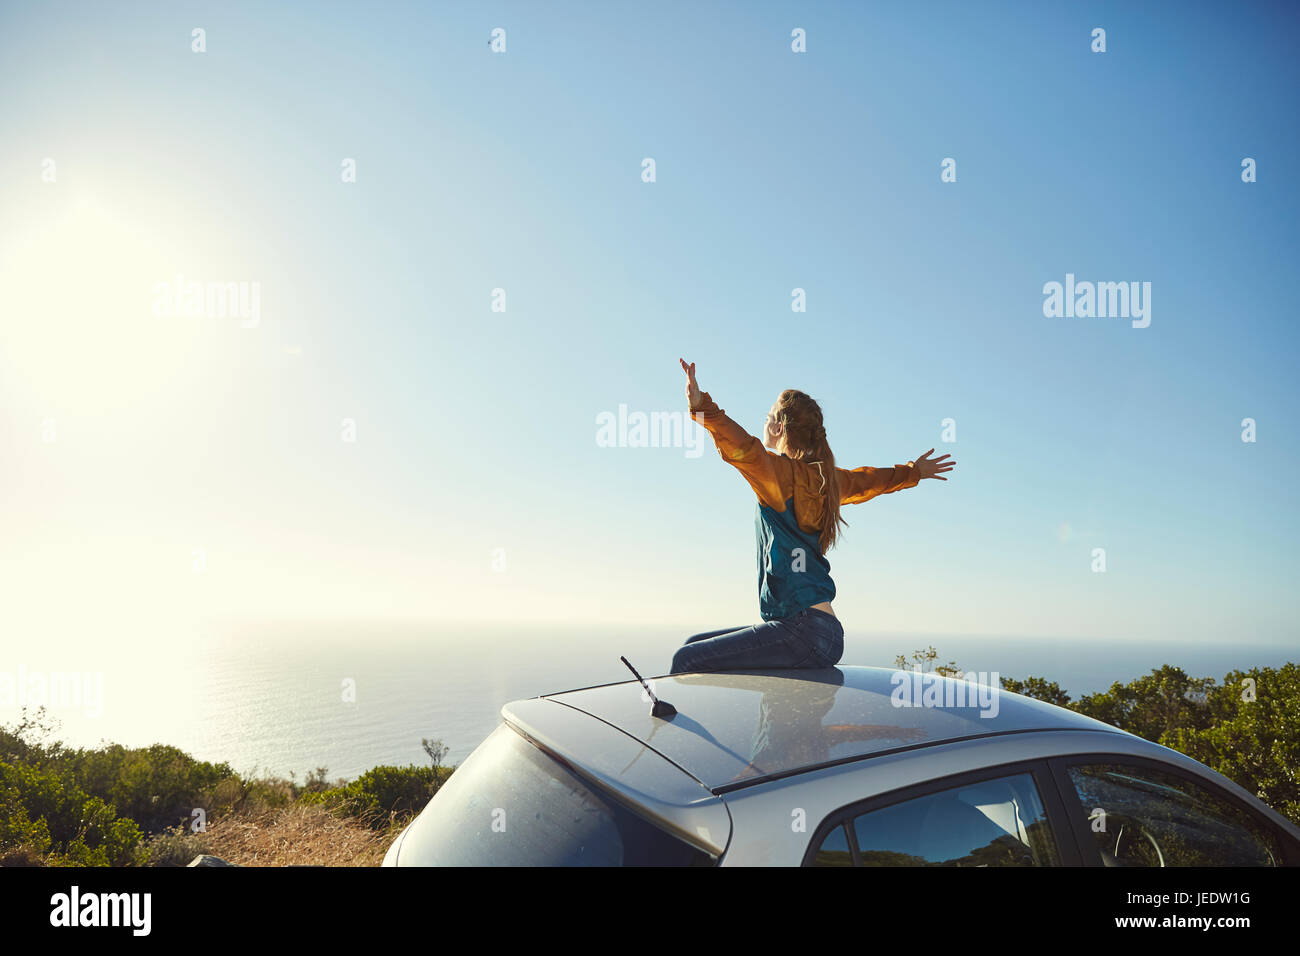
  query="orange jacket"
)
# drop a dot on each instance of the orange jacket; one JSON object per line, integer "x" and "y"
{"x": 777, "y": 479}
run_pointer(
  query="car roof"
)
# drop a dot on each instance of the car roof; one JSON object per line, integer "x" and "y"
{"x": 734, "y": 729}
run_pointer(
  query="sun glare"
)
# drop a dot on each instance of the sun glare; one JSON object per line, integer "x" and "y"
{"x": 76, "y": 297}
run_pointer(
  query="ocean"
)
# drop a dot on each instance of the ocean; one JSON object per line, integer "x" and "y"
{"x": 282, "y": 698}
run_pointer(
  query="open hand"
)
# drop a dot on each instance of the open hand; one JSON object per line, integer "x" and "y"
{"x": 930, "y": 467}
{"x": 692, "y": 388}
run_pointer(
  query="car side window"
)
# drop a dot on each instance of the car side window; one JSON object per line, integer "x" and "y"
{"x": 834, "y": 850}
{"x": 999, "y": 822}
{"x": 1141, "y": 816}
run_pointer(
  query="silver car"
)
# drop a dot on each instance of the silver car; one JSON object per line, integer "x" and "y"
{"x": 838, "y": 766}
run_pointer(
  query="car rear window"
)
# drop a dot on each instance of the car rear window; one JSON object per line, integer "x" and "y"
{"x": 511, "y": 804}
{"x": 998, "y": 822}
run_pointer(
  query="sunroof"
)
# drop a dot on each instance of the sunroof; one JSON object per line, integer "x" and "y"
{"x": 734, "y": 726}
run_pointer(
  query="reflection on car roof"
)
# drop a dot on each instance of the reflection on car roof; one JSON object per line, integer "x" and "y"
{"x": 736, "y": 727}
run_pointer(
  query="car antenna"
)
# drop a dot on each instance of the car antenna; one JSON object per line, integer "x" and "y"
{"x": 661, "y": 709}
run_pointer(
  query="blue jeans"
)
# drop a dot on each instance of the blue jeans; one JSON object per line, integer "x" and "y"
{"x": 811, "y": 638}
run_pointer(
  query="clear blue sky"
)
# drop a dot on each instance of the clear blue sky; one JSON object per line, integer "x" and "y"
{"x": 476, "y": 429}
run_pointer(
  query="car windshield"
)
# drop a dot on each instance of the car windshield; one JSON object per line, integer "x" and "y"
{"x": 510, "y": 804}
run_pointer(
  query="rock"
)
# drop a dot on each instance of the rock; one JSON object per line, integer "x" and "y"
{"x": 207, "y": 859}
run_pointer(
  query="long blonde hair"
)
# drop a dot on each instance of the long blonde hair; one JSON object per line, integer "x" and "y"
{"x": 805, "y": 440}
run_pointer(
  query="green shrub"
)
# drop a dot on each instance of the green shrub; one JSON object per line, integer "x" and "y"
{"x": 175, "y": 847}
{"x": 157, "y": 786}
{"x": 382, "y": 792}
{"x": 1252, "y": 738}
{"x": 59, "y": 816}
{"x": 23, "y": 841}
{"x": 1247, "y": 728}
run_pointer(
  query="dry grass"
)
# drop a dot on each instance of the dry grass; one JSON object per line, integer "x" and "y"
{"x": 298, "y": 835}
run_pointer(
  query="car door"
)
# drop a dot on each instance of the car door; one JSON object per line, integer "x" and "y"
{"x": 1129, "y": 811}
{"x": 1009, "y": 815}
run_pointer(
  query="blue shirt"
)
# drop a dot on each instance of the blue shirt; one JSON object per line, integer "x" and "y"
{"x": 793, "y": 574}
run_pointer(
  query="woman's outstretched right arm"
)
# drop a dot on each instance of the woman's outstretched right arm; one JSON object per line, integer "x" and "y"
{"x": 863, "y": 484}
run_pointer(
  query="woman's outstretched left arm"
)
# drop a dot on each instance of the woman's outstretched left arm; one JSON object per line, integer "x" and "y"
{"x": 736, "y": 446}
